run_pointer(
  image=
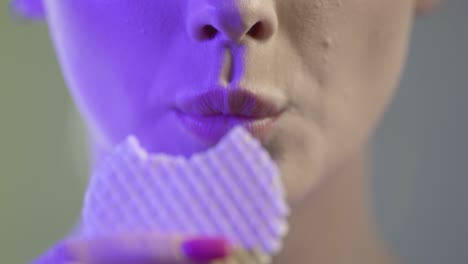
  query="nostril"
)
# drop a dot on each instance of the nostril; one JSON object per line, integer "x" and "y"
{"x": 257, "y": 31}
{"x": 261, "y": 30}
{"x": 209, "y": 32}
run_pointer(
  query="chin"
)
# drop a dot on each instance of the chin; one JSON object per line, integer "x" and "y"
{"x": 299, "y": 150}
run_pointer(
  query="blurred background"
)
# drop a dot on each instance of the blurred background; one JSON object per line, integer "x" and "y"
{"x": 420, "y": 151}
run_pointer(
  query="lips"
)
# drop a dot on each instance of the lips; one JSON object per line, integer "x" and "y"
{"x": 209, "y": 115}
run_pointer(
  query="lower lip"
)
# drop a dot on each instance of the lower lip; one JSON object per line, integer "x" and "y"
{"x": 211, "y": 129}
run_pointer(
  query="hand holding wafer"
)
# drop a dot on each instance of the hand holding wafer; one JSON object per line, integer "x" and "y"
{"x": 232, "y": 191}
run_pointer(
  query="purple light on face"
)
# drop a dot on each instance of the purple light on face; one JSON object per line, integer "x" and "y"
{"x": 127, "y": 62}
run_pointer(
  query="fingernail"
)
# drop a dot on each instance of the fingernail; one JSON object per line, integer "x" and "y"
{"x": 206, "y": 249}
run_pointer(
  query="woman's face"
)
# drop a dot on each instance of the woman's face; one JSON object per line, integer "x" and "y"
{"x": 310, "y": 78}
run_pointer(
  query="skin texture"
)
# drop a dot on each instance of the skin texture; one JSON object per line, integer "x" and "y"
{"x": 334, "y": 64}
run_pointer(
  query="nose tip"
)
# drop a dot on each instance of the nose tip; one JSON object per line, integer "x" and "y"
{"x": 233, "y": 23}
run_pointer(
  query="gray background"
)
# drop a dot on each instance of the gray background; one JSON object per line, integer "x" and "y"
{"x": 420, "y": 150}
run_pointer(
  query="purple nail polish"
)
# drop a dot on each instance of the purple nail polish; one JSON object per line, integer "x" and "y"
{"x": 206, "y": 249}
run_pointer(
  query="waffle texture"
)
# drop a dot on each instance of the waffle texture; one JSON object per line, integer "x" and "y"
{"x": 232, "y": 190}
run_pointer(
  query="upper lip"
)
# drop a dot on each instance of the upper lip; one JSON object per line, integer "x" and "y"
{"x": 237, "y": 102}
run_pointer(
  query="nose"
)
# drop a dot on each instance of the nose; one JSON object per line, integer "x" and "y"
{"x": 231, "y": 20}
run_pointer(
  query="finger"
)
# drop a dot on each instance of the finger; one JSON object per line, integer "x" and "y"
{"x": 148, "y": 248}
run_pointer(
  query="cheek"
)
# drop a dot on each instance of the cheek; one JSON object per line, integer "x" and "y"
{"x": 368, "y": 50}
{"x": 352, "y": 55}
{"x": 109, "y": 53}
